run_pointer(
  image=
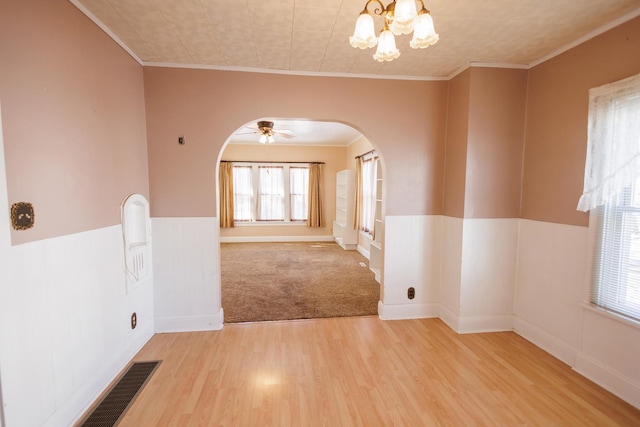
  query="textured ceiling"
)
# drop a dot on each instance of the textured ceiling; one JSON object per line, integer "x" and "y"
{"x": 311, "y": 36}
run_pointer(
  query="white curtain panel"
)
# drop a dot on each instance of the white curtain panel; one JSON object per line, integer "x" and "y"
{"x": 298, "y": 192}
{"x": 242, "y": 193}
{"x": 271, "y": 193}
{"x": 368, "y": 194}
{"x": 613, "y": 145}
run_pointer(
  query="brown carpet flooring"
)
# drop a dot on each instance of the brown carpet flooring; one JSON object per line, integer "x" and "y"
{"x": 283, "y": 281}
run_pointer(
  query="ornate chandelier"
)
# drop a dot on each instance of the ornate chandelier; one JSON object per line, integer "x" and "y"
{"x": 400, "y": 17}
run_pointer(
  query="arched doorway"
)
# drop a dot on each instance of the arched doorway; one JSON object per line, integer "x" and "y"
{"x": 244, "y": 246}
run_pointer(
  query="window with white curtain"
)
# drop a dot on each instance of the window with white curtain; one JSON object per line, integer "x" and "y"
{"x": 299, "y": 193}
{"x": 268, "y": 193}
{"x": 612, "y": 195}
{"x": 368, "y": 212}
{"x": 242, "y": 193}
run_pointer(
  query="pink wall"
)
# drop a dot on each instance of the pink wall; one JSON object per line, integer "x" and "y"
{"x": 557, "y": 113}
{"x": 456, "y": 145}
{"x": 404, "y": 120}
{"x": 75, "y": 140}
{"x": 73, "y": 118}
{"x": 495, "y": 142}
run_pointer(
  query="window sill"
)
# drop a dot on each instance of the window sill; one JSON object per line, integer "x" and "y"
{"x": 611, "y": 315}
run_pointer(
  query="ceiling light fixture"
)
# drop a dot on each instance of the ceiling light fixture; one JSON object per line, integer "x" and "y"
{"x": 266, "y": 132}
{"x": 400, "y": 17}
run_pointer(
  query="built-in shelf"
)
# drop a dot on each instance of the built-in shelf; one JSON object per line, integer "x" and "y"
{"x": 343, "y": 232}
{"x": 375, "y": 249}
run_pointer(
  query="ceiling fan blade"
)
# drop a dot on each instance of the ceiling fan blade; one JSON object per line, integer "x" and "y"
{"x": 285, "y": 131}
{"x": 285, "y": 135}
{"x": 247, "y": 133}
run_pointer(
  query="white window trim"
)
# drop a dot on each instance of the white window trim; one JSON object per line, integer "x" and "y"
{"x": 287, "y": 199}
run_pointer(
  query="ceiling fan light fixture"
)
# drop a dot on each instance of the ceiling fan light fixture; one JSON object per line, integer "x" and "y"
{"x": 262, "y": 139}
{"x": 400, "y": 17}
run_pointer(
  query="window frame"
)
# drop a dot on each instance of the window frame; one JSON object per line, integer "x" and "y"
{"x": 255, "y": 177}
{"x": 612, "y": 178}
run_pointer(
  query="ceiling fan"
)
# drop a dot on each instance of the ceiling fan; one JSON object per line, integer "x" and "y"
{"x": 266, "y": 131}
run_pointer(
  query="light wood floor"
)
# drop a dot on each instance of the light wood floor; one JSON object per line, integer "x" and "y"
{"x": 364, "y": 372}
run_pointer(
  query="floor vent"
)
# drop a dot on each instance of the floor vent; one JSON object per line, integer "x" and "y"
{"x": 121, "y": 395}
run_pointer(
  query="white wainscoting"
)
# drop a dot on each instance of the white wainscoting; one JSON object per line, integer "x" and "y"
{"x": 5, "y": 244}
{"x": 411, "y": 259}
{"x": 610, "y": 354}
{"x": 449, "y": 297}
{"x": 186, "y": 274}
{"x": 550, "y": 286}
{"x": 488, "y": 273}
{"x": 65, "y": 325}
{"x": 550, "y": 312}
{"x": 462, "y": 270}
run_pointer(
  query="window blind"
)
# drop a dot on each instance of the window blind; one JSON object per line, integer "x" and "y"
{"x": 615, "y": 281}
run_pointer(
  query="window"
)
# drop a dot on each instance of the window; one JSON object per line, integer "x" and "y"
{"x": 616, "y": 281}
{"x": 270, "y": 192}
{"x": 242, "y": 193}
{"x": 612, "y": 194}
{"x": 299, "y": 193}
{"x": 368, "y": 212}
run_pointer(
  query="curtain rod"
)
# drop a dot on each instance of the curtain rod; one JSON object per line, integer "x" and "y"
{"x": 261, "y": 161}
{"x": 368, "y": 152}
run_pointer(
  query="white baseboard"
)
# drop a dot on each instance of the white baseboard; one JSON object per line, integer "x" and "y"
{"x": 609, "y": 379}
{"x": 406, "y": 311}
{"x": 475, "y": 324}
{"x": 190, "y": 323}
{"x": 363, "y": 252}
{"x": 552, "y": 345}
{"x": 75, "y": 407}
{"x": 449, "y": 317}
{"x": 275, "y": 239}
{"x": 482, "y": 324}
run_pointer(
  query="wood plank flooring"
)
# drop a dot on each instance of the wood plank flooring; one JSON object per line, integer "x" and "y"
{"x": 362, "y": 371}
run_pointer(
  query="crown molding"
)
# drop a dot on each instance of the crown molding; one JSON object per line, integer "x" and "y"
{"x": 290, "y": 73}
{"x": 628, "y": 17}
{"x": 104, "y": 28}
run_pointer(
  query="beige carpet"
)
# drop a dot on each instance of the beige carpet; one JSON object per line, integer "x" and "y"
{"x": 282, "y": 281}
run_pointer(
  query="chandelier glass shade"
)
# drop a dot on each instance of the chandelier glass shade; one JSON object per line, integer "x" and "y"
{"x": 400, "y": 17}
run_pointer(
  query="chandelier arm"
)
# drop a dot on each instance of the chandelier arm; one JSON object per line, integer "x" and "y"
{"x": 423, "y": 9}
{"x": 377, "y": 11}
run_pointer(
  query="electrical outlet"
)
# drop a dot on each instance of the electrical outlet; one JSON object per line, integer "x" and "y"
{"x": 134, "y": 320}
{"x": 411, "y": 293}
